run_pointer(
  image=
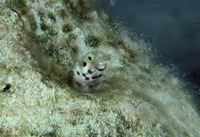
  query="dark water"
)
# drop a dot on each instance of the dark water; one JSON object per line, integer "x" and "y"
{"x": 174, "y": 26}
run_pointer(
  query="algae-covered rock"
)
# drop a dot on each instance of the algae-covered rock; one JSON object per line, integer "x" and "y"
{"x": 40, "y": 42}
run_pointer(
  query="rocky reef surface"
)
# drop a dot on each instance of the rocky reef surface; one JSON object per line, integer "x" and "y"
{"x": 40, "y": 41}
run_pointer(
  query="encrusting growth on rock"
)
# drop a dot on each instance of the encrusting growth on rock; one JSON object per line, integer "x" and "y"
{"x": 53, "y": 52}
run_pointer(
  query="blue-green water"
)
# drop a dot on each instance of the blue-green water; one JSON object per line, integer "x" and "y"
{"x": 174, "y": 26}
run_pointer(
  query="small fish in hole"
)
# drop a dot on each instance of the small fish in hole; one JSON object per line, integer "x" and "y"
{"x": 90, "y": 69}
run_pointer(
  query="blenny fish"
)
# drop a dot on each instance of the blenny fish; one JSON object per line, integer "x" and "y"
{"x": 88, "y": 70}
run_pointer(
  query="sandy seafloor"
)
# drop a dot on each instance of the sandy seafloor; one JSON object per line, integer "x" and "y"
{"x": 40, "y": 41}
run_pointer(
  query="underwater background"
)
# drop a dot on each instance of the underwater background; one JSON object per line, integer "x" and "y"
{"x": 173, "y": 26}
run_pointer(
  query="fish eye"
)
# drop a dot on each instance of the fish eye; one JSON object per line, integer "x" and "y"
{"x": 90, "y": 57}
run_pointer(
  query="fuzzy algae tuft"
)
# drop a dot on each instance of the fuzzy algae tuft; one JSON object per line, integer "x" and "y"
{"x": 40, "y": 41}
